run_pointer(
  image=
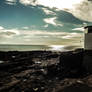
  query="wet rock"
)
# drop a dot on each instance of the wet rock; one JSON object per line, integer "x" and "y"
{"x": 77, "y": 88}
{"x": 1, "y": 61}
{"x": 43, "y": 71}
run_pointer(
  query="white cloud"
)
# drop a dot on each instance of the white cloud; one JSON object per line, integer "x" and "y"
{"x": 28, "y": 2}
{"x": 79, "y": 29}
{"x": 11, "y": 2}
{"x": 38, "y": 37}
{"x": 8, "y": 33}
{"x": 81, "y": 9}
{"x": 38, "y": 32}
{"x": 48, "y": 12}
{"x": 52, "y": 3}
{"x": 71, "y": 36}
{"x": 52, "y": 38}
{"x": 46, "y": 25}
{"x": 1, "y": 28}
{"x": 52, "y": 21}
{"x": 66, "y": 37}
{"x": 30, "y": 33}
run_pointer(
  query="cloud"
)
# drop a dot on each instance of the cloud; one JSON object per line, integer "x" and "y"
{"x": 51, "y": 38}
{"x": 48, "y": 12}
{"x": 11, "y": 2}
{"x": 71, "y": 36}
{"x": 79, "y": 29}
{"x": 46, "y": 25}
{"x": 38, "y": 37}
{"x": 81, "y": 9}
{"x": 41, "y": 34}
{"x": 1, "y": 28}
{"x": 6, "y": 33}
{"x": 52, "y": 3}
{"x": 52, "y": 21}
{"x": 28, "y": 2}
{"x": 46, "y": 34}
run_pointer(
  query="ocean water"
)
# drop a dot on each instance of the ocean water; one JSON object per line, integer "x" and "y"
{"x": 37, "y": 47}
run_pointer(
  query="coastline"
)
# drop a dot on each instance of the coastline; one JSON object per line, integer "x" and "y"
{"x": 44, "y": 71}
{"x": 22, "y": 47}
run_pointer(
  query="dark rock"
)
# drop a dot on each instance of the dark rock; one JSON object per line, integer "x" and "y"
{"x": 72, "y": 62}
{"x": 20, "y": 72}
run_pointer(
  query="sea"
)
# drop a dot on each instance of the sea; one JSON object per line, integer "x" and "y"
{"x": 10, "y": 47}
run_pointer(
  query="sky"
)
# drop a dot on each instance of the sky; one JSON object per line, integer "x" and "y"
{"x": 44, "y": 22}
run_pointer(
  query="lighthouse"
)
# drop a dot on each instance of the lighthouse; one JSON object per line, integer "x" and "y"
{"x": 88, "y": 38}
{"x": 87, "y": 60}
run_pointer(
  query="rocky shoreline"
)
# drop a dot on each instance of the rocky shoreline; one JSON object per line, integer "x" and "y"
{"x": 44, "y": 71}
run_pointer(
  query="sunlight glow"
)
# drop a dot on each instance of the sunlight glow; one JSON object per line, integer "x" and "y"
{"x": 57, "y": 47}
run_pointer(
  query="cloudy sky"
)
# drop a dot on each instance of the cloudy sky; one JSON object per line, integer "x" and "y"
{"x": 44, "y": 22}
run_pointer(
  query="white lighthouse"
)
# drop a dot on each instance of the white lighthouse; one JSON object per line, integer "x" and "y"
{"x": 87, "y": 62}
{"x": 88, "y": 38}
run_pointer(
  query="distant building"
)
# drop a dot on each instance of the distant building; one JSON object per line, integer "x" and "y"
{"x": 88, "y": 38}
